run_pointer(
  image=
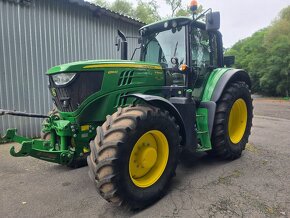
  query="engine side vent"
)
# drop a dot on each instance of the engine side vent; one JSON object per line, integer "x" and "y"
{"x": 121, "y": 101}
{"x": 126, "y": 78}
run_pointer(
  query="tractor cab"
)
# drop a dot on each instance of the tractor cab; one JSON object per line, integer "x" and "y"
{"x": 187, "y": 49}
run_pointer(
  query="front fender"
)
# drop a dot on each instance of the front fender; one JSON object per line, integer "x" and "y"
{"x": 161, "y": 102}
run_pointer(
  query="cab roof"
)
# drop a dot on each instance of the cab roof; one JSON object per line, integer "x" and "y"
{"x": 165, "y": 25}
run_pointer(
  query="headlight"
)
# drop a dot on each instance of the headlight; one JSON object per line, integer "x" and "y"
{"x": 63, "y": 78}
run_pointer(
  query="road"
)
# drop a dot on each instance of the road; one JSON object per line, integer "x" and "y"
{"x": 256, "y": 185}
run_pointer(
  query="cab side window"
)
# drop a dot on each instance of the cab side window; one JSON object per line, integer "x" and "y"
{"x": 200, "y": 48}
{"x": 203, "y": 55}
{"x": 153, "y": 56}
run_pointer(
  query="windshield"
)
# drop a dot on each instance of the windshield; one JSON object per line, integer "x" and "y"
{"x": 162, "y": 46}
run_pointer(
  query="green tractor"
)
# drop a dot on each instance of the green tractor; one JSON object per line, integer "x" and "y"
{"x": 132, "y": 119}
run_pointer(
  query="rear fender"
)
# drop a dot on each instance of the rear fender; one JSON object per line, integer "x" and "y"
{"x": 215, "y": 86}
{"x": 219, "y": 79}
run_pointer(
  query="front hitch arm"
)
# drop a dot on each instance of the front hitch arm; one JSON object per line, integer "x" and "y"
{"x": 40, "y": 149}
{"x": 11, "y": 136}
{"x": 24, "y": 151}
{"x": 26, "y": 144}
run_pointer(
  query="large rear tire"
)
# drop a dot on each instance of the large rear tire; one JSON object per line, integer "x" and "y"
{"x": 134, "y": 156}
{"x": 233, "y": 121}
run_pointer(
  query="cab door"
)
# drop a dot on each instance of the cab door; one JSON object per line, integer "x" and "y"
{"x": 203, "y": 58}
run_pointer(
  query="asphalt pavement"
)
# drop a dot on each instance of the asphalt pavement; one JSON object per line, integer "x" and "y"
{"x": 256, "y": 185}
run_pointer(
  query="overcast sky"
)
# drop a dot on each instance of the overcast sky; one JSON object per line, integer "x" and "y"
{"x": 239, "y": 18}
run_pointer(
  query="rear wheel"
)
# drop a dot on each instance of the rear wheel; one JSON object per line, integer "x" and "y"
{"x": 134, "y": 155}
{"x": 233, "y": 121}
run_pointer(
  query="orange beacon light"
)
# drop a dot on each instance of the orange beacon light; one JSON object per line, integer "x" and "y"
{"x": 193, "y": 5}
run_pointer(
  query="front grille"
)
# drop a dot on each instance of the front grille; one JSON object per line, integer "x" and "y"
{"x": 68, "y": 98}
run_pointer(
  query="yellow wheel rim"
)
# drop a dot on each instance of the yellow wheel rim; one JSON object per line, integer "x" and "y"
{"x": 148, "y": 158}
{"x": 238, "y": 121}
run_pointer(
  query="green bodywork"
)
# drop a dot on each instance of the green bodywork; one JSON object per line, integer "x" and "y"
{"x": 202, "y": 113}
{"x": 71, "y": 132}
{"x": 148, "y": 78}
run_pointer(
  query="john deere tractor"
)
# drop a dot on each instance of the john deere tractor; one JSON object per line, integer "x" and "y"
{"x": 132, "y": 119}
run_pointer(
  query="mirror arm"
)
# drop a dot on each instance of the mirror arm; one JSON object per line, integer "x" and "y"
{"x": 135, "y": 52}
{"x": 202, "y": 14}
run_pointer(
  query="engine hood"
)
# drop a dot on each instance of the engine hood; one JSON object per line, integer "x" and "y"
{"x": 97, "y": 64}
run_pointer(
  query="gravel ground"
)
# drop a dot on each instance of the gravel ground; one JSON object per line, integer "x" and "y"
{"x": 256, "y": 185}
{"x": 272, "y": 108}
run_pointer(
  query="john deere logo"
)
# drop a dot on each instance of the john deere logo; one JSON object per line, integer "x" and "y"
{"x": 53, "y": 92}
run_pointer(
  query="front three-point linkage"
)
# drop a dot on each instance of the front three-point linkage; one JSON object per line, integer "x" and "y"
{"x": 41, "y": 149}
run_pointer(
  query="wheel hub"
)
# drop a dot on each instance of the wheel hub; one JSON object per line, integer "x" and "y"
{"x": 148, "y": 158}
{"x": 237, "y": 120}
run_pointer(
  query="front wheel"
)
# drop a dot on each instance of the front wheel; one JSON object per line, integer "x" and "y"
{"x": 233, "y": 121}
{"x": 134, "y": 155}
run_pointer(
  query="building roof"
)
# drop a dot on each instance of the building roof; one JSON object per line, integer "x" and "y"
{"x": 99, "y": 11}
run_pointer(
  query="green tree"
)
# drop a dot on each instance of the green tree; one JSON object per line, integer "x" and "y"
{"x": 122, "y": 7}
{"x": 147, "y": 12}
{"x": 175, "y": 5}
{"x": 278, "y": 45}
{"x": 101, "y": 3}
{"x": 265, "y": 55}
{"x": 185, "y": 11}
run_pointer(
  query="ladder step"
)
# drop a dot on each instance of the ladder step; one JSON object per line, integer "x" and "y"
{"x": 202, "y": 132}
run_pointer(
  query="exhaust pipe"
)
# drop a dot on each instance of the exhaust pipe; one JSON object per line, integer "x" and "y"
{"x": 124, "y": 45}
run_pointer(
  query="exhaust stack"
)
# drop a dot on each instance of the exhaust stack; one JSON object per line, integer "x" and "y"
{"x": 124, "y": 45}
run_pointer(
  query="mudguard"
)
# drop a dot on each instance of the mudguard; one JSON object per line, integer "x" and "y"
{"x": 218, "y": 80}
{"x": 161, "y": 102}
{"x": 215, "y": 86}
{"x": 228, "y": 77}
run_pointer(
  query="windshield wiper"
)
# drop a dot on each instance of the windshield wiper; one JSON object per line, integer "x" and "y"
{"x": 175, "y": 50}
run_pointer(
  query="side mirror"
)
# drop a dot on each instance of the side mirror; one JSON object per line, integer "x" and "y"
{"x": 229, "y": 61}
{"x": 212, "y": 21}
